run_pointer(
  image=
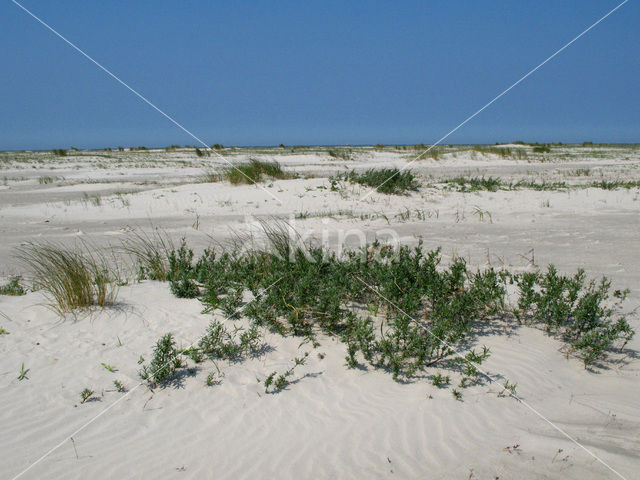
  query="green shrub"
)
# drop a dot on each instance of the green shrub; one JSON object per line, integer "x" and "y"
{"x": 429, "y": 311}
{"x": 541, "y": 149}
{"x": 577, "y": 310}
{"x": 388, "y": 180}
{"x": 164, "y": 364}
{"x": 219, "y": 343}
{"x": 180, "y": 272}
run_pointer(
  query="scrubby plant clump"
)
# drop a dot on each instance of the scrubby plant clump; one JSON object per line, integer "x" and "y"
{"x": 13, "y": 287}
{"x": 254, "y": 171}
{"x": 165, "y": 362}
{"x": 387, "y": 180}
{"x": 180, "y": 272}
{"x": 401, "y": 311}
{"x": 578, "y": 310}
{"x": 219, "y": 343}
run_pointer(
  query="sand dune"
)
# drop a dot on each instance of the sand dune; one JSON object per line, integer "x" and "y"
{"x": 332, "y": 422}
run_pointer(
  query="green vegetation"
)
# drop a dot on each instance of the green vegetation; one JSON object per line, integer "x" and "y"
{"x": 403, "y": 311}
{"x": 501, "y": 151}
{"x": 542, "y": 149}
{"x": 388, "y": 180}
{"x": 341, "y": 153}
{"x": 150, "y": 252}
{"x": 491, "y": 184}
{"x": 275, "y": 383}
{"x": 254, "y": 171}
{"x": 13, "y": 287}
{"x": 59, "y": 152}
{"x": 23, "y": 372}
{"x": 613, "y": 185}
{"x": 576, "y": 310}
{"x": 119, "y": 386}
{"x": 220, "y": 344}
{"x": 110, "y": 368}
{"x": 86, "y": 395}
{"x": 72, "y": 278}
{"x": 182, "y": 285}
{"x": 211, "y": 380}
{"x": 473, "y": 184}
{"x": 164, "y": 364}
{"x": 46, "y": 180}
{"x": 440, "y": 380}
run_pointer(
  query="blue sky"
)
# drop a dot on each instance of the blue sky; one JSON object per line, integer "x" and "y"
{"x": 265, "y": 73}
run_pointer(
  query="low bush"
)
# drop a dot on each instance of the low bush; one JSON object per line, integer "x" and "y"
{"x": 165, "y": 362}
{"x": 388, "y": 180}
{"x": 179, "y": 275}
{"x": 577, "y": 310}
{"x": 420, "y": 313}
{"x": 541, "y": 149}
{"x": 254, "y": 171}
{"x": 219, "y": 343}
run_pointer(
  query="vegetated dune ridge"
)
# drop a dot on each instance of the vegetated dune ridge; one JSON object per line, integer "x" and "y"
{"x": 331, "y": 421}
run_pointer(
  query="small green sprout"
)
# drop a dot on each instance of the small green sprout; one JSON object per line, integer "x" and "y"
{"x": 86, "y": 394}
{"x": 23, "y": 373}
{"x": 111, "y": 368}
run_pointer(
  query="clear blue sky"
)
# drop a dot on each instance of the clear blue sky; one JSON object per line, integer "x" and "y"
{"x": 320, "y": 72}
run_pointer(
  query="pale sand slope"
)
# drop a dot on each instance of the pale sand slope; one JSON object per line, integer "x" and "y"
{"x": 332, "y": 422}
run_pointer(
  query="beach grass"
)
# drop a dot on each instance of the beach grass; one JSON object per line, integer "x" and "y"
{"x": 71, "y": 277}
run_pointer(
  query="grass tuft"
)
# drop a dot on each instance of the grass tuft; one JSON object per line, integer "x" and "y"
{"x": 253, "y": 172}
{"x": 72, "y": 278}
{"x": 150, "y": 252}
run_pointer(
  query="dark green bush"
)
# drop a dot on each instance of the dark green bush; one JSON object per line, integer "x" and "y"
{"x": 579, "y": 311}
{"x": 420, "y": 312}
{"x": 180, "y": 274}
{"x": 165, "y": 363}
{"x": 541, "y": 149}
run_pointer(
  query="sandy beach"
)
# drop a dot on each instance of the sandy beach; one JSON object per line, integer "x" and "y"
{"x": 331, "y": 421}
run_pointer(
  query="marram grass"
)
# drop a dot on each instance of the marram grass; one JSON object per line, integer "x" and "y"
{"x": 71, "y": 277}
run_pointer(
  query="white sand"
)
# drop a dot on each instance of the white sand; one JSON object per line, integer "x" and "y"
{"x": 332, "y": 422}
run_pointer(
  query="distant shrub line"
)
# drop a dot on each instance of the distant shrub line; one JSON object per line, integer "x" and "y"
{"x": 474, "y": 184}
